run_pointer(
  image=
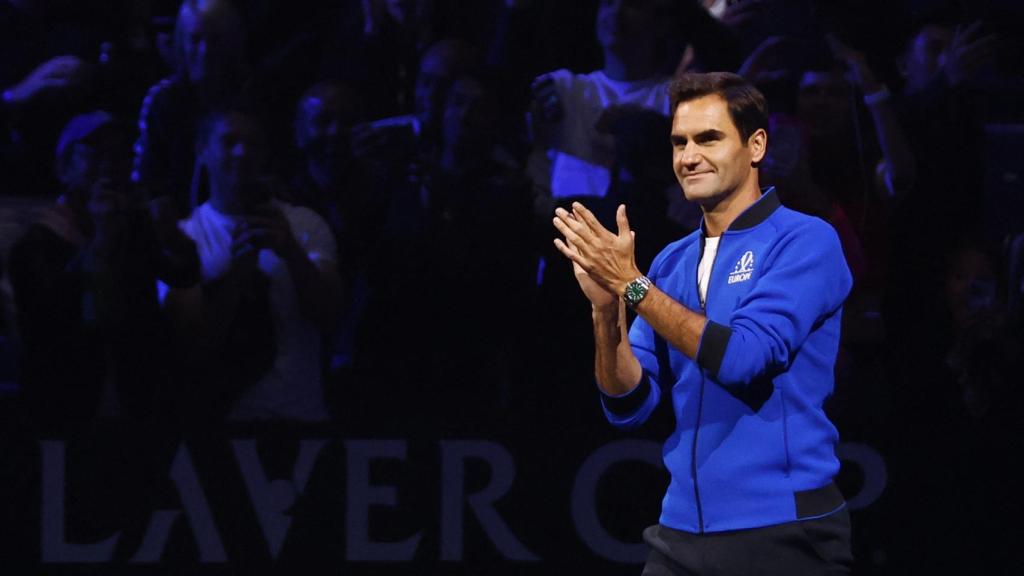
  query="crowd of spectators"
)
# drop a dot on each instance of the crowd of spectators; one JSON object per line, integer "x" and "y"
{"x": 338, "y": 213}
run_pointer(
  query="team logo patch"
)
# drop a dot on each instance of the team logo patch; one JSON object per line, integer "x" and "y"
{"x": 743, "y": 269}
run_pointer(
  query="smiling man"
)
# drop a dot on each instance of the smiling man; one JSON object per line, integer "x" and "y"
{"x": 739, "y": 324}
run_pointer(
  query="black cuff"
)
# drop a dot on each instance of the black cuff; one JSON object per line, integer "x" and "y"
{"x": 630, "y": 401}
{"x": 712, "y": 347}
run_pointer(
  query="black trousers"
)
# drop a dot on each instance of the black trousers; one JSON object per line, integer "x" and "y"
{"x": 818, "y": 546}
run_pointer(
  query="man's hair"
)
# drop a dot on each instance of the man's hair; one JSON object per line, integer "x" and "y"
{"x": 209, "y": 123}
{"x": 746, "y": 103}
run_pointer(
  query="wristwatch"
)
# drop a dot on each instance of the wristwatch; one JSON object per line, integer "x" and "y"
{"x": 636, "y": 291}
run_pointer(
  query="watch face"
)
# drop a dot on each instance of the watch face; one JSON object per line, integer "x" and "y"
{"x": 635, "y": 291}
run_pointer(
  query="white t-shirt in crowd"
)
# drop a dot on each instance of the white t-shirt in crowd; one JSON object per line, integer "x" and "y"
{"x": 292, "y": 389}
{"x": 579, "y": 161}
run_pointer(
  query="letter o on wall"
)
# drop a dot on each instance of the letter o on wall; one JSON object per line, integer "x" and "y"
{"x": 872, "y": 467}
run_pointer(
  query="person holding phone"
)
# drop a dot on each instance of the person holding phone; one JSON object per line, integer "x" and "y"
{"x": 262, "y": 258}
{"x": 93, "y": 344}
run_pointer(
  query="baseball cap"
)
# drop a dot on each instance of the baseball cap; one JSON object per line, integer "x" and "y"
{"x": 83, "y": 126}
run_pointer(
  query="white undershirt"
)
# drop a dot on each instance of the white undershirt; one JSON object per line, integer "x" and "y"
{"x": 704, "y": 268}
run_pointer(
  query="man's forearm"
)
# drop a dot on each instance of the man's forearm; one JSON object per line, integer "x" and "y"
{"x": 678, "y": 325}
{"x": 615, "y": 366}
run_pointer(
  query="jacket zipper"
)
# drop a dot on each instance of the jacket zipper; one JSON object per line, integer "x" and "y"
{"x": 693, "y": 459}
{"x": 700, "y": 399}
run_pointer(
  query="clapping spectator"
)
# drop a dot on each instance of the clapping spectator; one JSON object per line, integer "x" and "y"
{"x": 84, "y": 281}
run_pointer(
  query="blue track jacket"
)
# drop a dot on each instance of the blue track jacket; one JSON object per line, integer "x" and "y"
{"x": 752, "y": 445}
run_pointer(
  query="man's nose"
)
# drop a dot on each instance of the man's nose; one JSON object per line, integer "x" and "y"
{"x": 690, "y": 156}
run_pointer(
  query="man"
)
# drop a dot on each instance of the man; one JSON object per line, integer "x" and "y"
{"x": 83, "y": 278}
{"x": 740, "y": 321}
{"x": 211, "y": 69}
{"x": 263, "y": 262}
{"x": 570, "y": 157}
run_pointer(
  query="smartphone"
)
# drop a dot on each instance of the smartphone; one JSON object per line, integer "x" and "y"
{"x": 400, "y": 128}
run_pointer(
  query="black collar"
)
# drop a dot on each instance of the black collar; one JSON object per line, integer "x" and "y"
{"x": 754, "y": 214}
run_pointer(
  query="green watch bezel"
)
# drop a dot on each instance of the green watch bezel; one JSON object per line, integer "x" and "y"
{"x": 636, "y": 291}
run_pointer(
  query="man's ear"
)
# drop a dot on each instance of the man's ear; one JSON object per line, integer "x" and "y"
{"x": 758, "y": 144}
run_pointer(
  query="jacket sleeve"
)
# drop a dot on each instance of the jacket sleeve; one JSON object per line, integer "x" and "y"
{"x": 803, "y": 281}
{"x": 635, "y": 407}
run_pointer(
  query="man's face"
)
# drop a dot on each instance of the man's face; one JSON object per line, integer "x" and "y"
{"x": 210, "y": 44}
{"x": 323, "y": 127}
{"x": 823, "y": 102}
{"x": 710, "y": 159}
{"x": 102, "y": 161}
{"x": 235, "y": 151}
{"x": 433, "y": 79}
{"x": 468, "y": 120}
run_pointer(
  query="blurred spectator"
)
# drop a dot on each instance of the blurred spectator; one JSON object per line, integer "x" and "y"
{"x": 47, "y": 53}
{"x": 441, "y": 64}
{"x": 378, "y": 45}
{"x": 324, "y": 118}
{"x": 61, "y": 58}
{"x": 787, "y": 168}
{"x": 570, "y": 158}
{"x": 944, "y": 112}
{"x": 84, "y": 277}
{"x": 476, "y": 191}
{"x": 336, "y": 186}
{"x": 211, "y": 67}
{"x": 269, "y": 287}
{"x": 394, "y": 38}
{"x": 402, "y": 148}
{"x": 957, "y": 463}
{"x": 860, "y": 166}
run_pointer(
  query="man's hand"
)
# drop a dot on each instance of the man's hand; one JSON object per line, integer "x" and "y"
{"x": 968, "y": 53}
{"x": 545, "y": 103}
{"x": 57, "y": 73}
{"x": 769, "y": 59}
{"x": 267, "y": 229}
{"x": 599, "y": 256}
{"x": 600, "y": 298}
{"x": 858, "y": 71}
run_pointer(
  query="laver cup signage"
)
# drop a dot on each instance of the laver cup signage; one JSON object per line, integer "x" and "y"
{"x": 347, "y": 505}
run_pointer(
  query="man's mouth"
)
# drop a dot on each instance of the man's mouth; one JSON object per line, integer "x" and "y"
{"x": 695, "y": 174}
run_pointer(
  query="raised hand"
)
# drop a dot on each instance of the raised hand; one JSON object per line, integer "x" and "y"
{"x": 605, "y": 258}
{"x": 55, "y": 74}
{"x": 967, "y": 53}
{"x": 768, "y": 59}
{"x": 859, "y": 73}
{"x": 598, "y": 296}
